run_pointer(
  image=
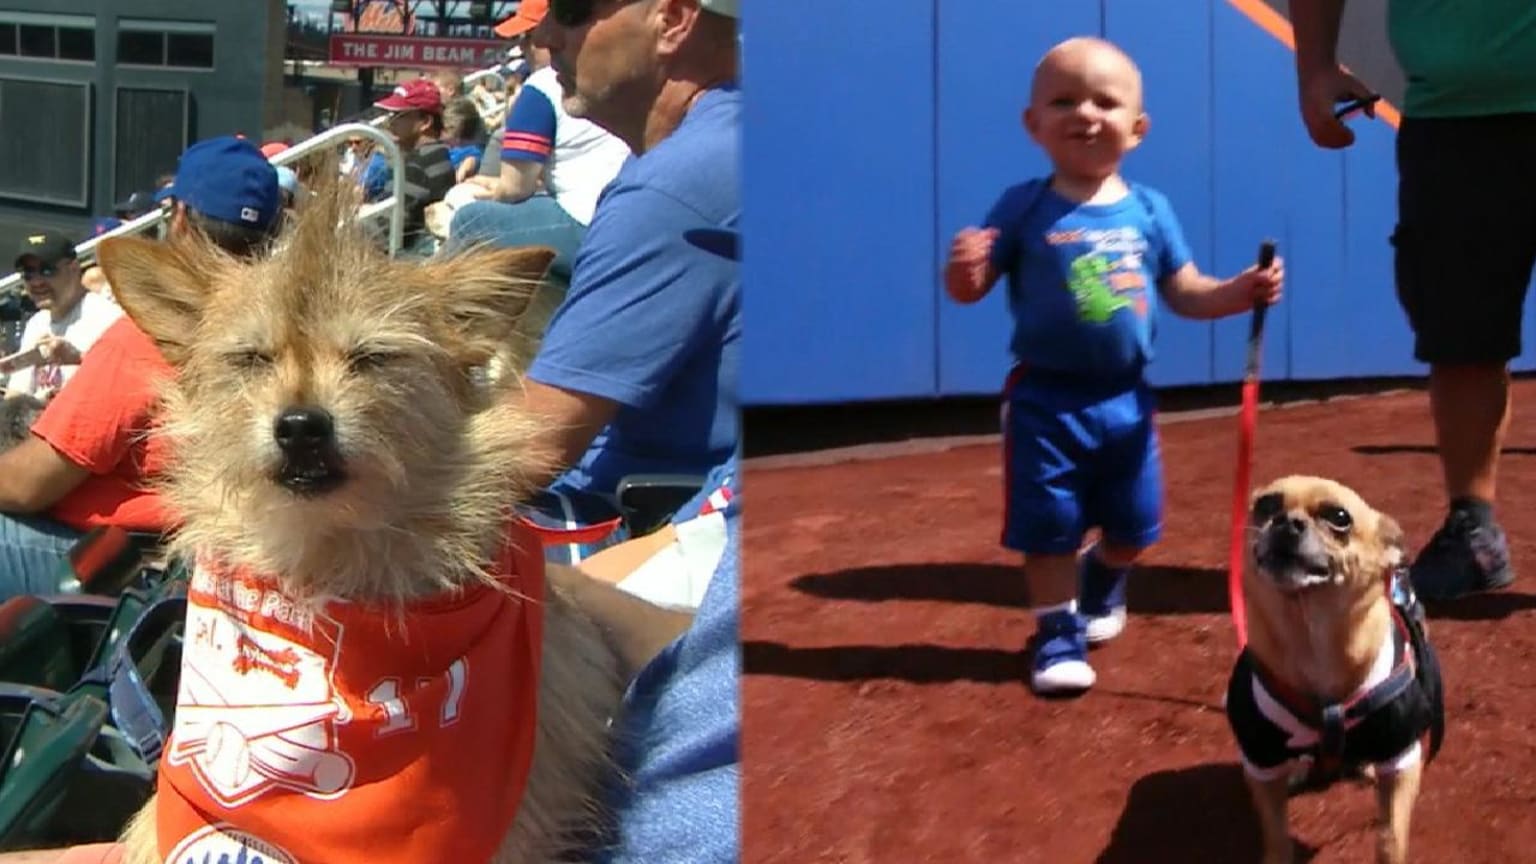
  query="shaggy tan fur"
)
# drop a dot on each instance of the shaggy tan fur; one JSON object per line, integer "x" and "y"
{"x": 434, "y": 459}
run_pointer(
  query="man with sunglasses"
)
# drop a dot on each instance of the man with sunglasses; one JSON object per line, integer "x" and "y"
{"x": 68, "y": 321}
{"x": 636, "y": 372}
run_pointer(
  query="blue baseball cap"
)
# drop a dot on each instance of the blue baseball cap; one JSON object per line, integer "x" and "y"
{"x": 228, "y": 179}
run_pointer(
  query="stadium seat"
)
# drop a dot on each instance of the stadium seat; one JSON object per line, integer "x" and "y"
{"x": 50, "y": 736}
{"x": 649, "y": 501}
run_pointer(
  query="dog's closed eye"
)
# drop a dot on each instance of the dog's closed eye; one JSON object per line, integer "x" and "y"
{"x": 249, "y": 359}
{"x": 365, "y": 359}
{"x": 1336, "y": 517}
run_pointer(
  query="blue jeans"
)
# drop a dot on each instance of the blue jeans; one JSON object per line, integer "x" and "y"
{"x": 537, "y": 221}
{"x": 33, "y": 555}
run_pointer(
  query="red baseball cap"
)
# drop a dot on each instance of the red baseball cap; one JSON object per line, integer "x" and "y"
{"x": 417, "y": 94}
{"x": 528, "y": 15}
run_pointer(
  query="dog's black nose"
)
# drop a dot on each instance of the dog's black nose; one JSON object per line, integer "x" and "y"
{"x": 303, "y": 429}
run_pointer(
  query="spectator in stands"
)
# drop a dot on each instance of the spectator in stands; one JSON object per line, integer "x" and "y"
{"x": 463, "y": 133}
{"x": 68, "y": 321}
{"x": 637, "y": 371}
{"x": 134, "y": 206}
{"x": 542, "y": 148}
{"x": 416, "y": 122}
{"x": 288, "y": 183}
{"x": 678, "y": 736}
{"x": 490, "y": 99}
{"x": 450, "y": 83}
{"x": 90, "y": 452}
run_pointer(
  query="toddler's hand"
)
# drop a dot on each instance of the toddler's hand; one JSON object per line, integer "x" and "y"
{"x": 970, "y": 257}
{"x": 1254, "y": 286}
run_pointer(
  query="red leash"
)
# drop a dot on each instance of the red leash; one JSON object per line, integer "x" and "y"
{"x": 1247, "y": 428}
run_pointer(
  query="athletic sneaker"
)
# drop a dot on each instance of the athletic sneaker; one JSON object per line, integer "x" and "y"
{"x": 1101, "y": 599}
{"x": 1061, "y": 654}
{"x": 1464, "y": 557}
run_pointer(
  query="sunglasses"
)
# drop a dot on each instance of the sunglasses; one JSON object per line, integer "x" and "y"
{"x": 46, "y": 271}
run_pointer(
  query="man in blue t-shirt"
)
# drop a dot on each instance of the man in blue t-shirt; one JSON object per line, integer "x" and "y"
{"x": 678, "y": 750}
{"x": 637, "y": 370}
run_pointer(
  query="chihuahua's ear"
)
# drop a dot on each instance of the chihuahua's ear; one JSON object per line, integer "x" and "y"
{"x": 1390, "y": 537}
{"x": 162, "y": 286}
{"x": 484, "y": 293}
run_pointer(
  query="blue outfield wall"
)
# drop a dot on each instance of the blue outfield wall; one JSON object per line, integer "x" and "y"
{"x": 871, "y": 137}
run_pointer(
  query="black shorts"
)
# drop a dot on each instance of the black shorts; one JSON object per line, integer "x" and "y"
{"x": 1466, "y": 234}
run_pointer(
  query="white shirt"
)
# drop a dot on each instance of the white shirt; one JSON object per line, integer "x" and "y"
{"x": 586, "y": 156}
{"x": 81, "y": 328}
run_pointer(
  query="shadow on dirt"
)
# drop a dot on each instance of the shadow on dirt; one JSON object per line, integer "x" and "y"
{"x": 919, "y": 664}
{"x": 1153, "y": 589}
{"x": 1426, "y": 449}
{"x": 1201, "y": 813}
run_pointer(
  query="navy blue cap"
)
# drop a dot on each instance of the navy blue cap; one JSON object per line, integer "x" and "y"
{"x": 229, "y": 180}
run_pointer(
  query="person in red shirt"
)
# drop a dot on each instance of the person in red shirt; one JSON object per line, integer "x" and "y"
{"x": 91, "y": 452}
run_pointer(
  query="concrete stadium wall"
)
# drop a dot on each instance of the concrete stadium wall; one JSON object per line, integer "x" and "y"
{"x": 870, "y": 138}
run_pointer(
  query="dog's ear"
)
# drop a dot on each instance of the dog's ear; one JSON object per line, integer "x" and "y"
{"x": 162, "y": 286}
{"x": 485, "y": 291}
{"x": 1389, "y": 535}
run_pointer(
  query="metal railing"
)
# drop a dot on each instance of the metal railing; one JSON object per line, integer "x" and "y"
{"x": 472, "y": 77}
{"x": 395, "y": 202}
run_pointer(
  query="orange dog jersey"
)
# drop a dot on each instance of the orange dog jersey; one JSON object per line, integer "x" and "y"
{"x": 344, "y": 735}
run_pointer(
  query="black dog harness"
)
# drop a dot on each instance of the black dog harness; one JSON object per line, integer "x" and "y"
{"x": 1379, "y": 726}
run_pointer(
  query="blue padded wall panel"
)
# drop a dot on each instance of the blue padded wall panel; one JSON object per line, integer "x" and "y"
{"x": 837, "y": 165}
{"x": 1172, "y": 45}
{"x": 1255, "y": 118}
{"x": 985, "y": 62}
{"x": 1376, "y": 339}
{"x": 1314, "y": 250}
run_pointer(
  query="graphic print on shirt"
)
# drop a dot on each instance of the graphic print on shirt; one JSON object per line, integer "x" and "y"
{"x": 257, "y": 710}
{"x": 1107, "y": 277}
{"x": 223, "y": 844}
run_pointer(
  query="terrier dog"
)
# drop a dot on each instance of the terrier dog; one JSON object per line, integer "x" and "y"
{"x": 1338, "y": 674}
{"x": 375, "y": 667}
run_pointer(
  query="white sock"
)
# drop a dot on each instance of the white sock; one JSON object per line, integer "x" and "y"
{"x": 1042, "y": 611}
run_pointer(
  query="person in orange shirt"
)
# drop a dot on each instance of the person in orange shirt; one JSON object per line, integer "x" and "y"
{"x": 90, "y": 453}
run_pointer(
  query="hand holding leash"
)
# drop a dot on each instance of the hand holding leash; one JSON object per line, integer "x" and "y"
{"x": 1248, "y": 427}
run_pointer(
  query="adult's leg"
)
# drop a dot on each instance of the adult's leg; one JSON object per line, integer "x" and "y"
{"x": 1464, "y": 250}
{"x": 538, "y": 221}
{"x": 33, "y": 555}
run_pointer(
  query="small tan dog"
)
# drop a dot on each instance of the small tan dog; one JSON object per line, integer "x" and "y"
{"x": 1337, "y": 674}
{"x": 374, "y": 666}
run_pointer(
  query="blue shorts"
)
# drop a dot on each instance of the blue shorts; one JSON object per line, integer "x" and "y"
{"x": 1079, "y": 454}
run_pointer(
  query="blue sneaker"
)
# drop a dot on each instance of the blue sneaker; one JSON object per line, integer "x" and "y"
{"x": 1061, "y": 655}
{"x": 1101, "y": 598}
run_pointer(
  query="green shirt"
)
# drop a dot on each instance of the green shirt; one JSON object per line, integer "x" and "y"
{"x": 1465, "y": 58}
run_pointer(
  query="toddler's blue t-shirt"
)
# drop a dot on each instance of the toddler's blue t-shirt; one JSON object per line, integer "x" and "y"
{"x": 1082, "y": 278}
